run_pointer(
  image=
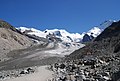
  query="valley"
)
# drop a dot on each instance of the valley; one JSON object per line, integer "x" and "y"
{"x": 89, "y": 56}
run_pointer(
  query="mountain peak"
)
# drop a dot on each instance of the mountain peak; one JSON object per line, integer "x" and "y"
{"x": 95, "y": 31}
{"x": 112, "y": 30}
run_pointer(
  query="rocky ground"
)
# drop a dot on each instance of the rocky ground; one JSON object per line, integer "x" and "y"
{"x": 4, "y": 75}
{"x": 36, "y": 73}
{"x": 88, "y": 69}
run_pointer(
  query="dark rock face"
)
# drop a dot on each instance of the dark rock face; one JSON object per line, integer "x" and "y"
{"x": 87, "y": 38}
{"x": 70, "y": 38}
{"x": 112, "y": 33}
{"x": 57, "y": 33}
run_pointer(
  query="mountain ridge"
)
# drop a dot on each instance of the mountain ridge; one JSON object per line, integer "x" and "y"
{"x": 65, "y": 35}
{"x": 76, "y": 37}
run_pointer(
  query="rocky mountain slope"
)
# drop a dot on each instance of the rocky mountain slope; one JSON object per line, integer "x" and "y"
{"x": 104, "y": 44}
{"x": 105, "y": 47}
{"x": 11, "y": 39}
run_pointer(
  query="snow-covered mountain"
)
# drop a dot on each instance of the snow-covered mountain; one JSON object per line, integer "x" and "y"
{"x": 65, "y": 35}
{"x": 59, "y": 33}
{"x": 95, "y": 31}
{"x": 98, "y": 29}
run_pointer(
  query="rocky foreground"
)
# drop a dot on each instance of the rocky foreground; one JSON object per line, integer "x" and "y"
{"x": 88, "y": 69}
{"x": 38, "y": 73}
{"x": 4, "y": 75}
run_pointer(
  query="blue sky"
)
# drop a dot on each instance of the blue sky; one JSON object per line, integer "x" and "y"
{"x": 72, "y": 15}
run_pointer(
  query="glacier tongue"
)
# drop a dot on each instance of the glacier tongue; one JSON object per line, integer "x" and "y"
{"x": 61, "y": 50}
